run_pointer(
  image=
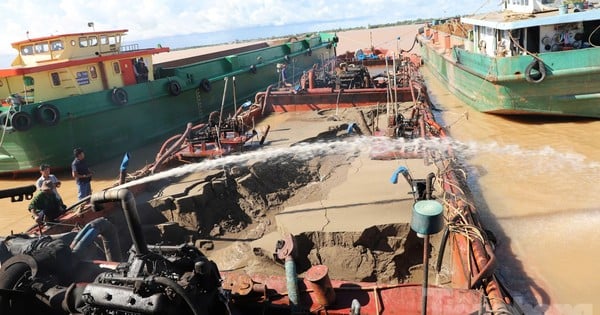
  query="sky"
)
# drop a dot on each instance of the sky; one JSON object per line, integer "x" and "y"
{"x": 161, "y": 18}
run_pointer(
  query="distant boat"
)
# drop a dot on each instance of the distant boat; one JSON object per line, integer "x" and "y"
{"x": 368, "y": 56}
{"x": 529, "y": 59}
{"x": 89, "y": 90}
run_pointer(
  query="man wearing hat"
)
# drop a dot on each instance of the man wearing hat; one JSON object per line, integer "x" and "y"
{"x": 45, "y": 206}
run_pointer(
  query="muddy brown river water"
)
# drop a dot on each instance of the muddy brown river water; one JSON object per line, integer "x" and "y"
{"x": 535, "y": 181}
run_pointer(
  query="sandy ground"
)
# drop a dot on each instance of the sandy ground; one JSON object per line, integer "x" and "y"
{"x": 390, "y": 38}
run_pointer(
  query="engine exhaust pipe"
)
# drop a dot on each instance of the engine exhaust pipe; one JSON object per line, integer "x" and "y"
{"x": 129, "y": 210}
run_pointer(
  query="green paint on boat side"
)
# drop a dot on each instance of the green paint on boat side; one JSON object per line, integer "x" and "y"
{"x": 106, "y": 130}
{"x": 498, "y": 85}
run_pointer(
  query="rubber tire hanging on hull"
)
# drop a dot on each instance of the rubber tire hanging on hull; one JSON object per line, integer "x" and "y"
{"x": 205, "y": 85}
{"x": 21, "y": 121}
{"x": 119, "y": 96}
{"x": 5, "y": 122}
{"x": 47, "y": 115}
{"x": 174, "y": 88}
{"x": 540, "y": 71}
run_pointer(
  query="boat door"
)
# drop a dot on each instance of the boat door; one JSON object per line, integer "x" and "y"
{"x": 127, "y": 73}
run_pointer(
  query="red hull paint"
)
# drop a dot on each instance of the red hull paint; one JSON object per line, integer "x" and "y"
{"x": 374, "y": 298}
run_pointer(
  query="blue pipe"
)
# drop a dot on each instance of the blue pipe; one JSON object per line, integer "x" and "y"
{"x": 291, "y": 281}
{"x": 84, "y": 242}
{"x": 350, "y": 128}
{"x": 399, "y": 170}
{"x": 81, "y": 234}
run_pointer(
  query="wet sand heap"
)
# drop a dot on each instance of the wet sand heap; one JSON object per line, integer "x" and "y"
{"x": 236, "y": 212}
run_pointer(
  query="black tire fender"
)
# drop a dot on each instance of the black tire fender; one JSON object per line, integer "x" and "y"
{"x": 47, "y": 115}
{"x": 205, "y": 85}
{"x": 119, "y": 96}
{"x": 10, "y": 278}
{"x": 174, "y": 88}
{"x": 21, "y": 121}
{"x": 535, "y": 71}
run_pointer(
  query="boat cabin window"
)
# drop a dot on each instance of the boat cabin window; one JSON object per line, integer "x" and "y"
{"x": 27, "y": 50}
{"x": 116, "y": 67}
{"x": 57, "y": 45}
{"x": 93, "y": 40}
{"x": 55, "y": 78}
{"x": 93, "y": 72}
{"x": 83, "y": 42}
{"x": 519, "y": 2}
{"x": 41, "y": 47}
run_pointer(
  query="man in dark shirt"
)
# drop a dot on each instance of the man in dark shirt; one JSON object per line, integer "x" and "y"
{"x": 82, "y": 174}
{"x": 45, "y": 206}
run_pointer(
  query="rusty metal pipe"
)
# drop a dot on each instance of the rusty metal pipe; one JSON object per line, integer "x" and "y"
{"x": 130, "y": 212}
{"x": 488, "y": 267}
{"x": 429, "y": 186}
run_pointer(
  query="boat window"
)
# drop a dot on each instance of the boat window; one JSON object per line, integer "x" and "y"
{"x": 55, "y": 78}
{"x": 93, "y": 72}
{"x": 93, "y": 40}
{"x": 27, "y": 50}
{"x": 41, "y": 47}
{"x": 83, "y": 42}
{"x": 57, "y": 45}
{"x": 520, "y": 2}
{"x": 116, "y": 67}
{"x": 28, "y": 81}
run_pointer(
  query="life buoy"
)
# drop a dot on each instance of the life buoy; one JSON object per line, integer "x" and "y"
{"x": 119, "y": 96}
{"x": 47, "y": 115}
{"x": 174, "y": 88}
{"x": 21, "y": 121}
{"x": 205, "y": 85}
{"x": 535, "y": 71}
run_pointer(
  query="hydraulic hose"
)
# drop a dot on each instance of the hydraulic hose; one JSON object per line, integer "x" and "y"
{"x": 176, "y": 145}
{"x": 108, "y": 233}
{"x": 179, "y": 290}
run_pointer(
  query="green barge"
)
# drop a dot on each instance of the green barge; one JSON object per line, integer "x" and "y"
{"x": 91, "y": 91}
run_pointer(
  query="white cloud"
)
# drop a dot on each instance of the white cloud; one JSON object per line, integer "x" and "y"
{"x": 160, "y": 18}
